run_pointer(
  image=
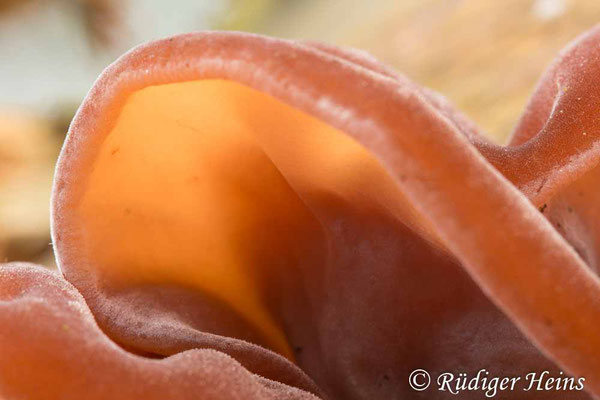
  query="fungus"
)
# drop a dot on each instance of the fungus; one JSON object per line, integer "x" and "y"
{"x": 326, "y": 222}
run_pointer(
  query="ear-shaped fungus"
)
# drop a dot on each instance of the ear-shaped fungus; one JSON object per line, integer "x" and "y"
{"x": 325, "y": 222}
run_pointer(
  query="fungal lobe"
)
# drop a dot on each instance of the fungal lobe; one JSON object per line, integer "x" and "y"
{"x": 294, "y": 220}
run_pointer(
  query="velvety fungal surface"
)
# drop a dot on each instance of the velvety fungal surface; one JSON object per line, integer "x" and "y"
{"x": 256, "y": 218}
{"x": 53, "y": 349}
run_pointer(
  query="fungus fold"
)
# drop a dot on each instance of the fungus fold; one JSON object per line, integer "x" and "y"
{"x": 249, "y": 217}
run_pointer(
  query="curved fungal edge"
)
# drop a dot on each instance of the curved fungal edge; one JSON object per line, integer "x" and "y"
{"x": 35, "y": 288}
{"x": 450, "y": 183}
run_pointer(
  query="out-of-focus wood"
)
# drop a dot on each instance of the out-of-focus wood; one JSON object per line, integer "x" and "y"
{"x": 486, "y": 56}
{"x": 28, "y": 149}
{"x": 244, "y": 15}
{"x": 100, "y": 18}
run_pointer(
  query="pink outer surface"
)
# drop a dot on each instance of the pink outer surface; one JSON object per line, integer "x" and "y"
{"x": 479, "y": 200}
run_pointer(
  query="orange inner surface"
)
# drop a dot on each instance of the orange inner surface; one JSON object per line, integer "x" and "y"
{"x": 208, "y": 184}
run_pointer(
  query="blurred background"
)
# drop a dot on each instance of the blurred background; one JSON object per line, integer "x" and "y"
{"x": 484, "y": 55}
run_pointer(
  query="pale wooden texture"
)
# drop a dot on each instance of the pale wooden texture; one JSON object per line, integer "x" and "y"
{"x": 486, "y": 56}
{"x": 28, "y": 149}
